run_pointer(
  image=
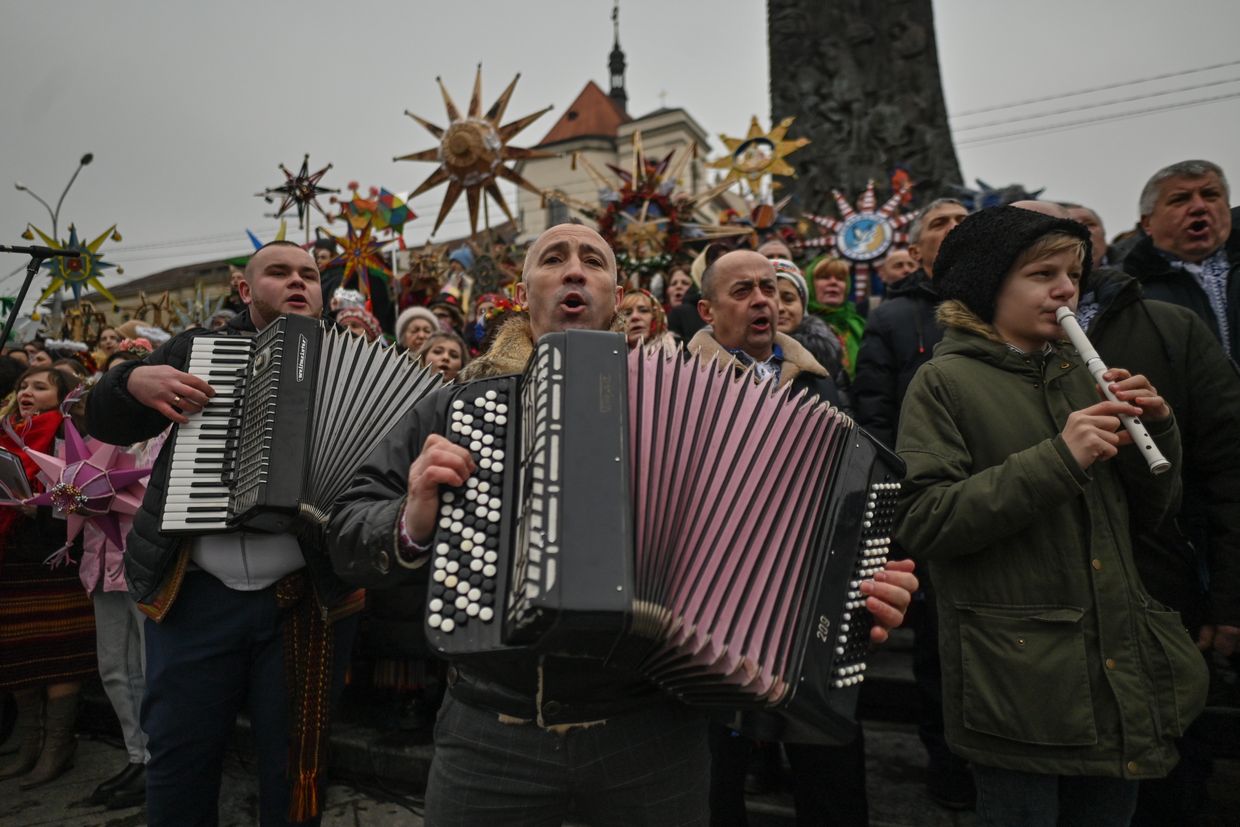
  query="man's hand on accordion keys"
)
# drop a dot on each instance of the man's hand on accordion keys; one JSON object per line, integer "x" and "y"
{"x": 440, "y": 463}
{"x": 174, "y": 393}
{"x": 888, "y": 596}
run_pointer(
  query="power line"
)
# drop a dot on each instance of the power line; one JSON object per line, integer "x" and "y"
{"x": 1119, "y": 116}
{"x": 1102, "y": 88}
{"x": 1085, "y": 106}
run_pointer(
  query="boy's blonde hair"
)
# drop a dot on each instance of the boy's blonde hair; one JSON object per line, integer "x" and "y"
{"x": 1051, "y": 244}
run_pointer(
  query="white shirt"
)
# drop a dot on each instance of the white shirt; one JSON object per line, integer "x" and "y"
{"x": 247, "y": 561}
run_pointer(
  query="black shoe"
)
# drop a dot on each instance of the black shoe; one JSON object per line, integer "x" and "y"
{"x": 130, "y": 792}
{"x": 952, "y": 786}
{"x": 104, "y": 791}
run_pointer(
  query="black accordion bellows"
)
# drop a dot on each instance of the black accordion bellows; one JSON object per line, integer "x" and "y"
{"x": 297, "y": 408}
{"x": 670, "y": 516}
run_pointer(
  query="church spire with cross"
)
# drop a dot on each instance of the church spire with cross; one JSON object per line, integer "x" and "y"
{"x": 616, "y": 63}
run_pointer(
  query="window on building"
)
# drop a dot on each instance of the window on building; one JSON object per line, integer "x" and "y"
{"x": 557, "y": 212}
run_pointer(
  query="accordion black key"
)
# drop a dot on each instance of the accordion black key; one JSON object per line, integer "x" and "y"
{"x": 297, "y": 407}
{"x": 669, "y": 516}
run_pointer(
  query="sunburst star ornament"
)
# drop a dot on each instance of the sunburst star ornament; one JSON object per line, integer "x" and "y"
{"x": 759, "y": 154}
{"x": 84, "y": 270}
{"x": 302, "y": 190}
{"x": 865, "y": 234}
{"x": 361, "y": 257}
{"x": 93, "y": 482}
{"x": 472, "y": 151}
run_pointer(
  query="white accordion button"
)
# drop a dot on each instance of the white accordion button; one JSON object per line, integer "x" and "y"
{"x": 490, "y": 556}
{"x": 491, "y": 395}
{"x": 479, "y": 402}
{"x": 485, "y": 614}
{"x": 441, "y": 562}
{"x": 471, "y": 609}
{"x": 436, "y": 605}
{"x": 449, "y": 582}
{"x": 484, "y": 486}
{"x": 458, "y": 404}
{"x": 448, "y": 624}
{"x": 434, "y": 621}
{"x": 501, "y": 408}
{"x": 489, "y": 570}
{"x": 475, "y": 594}
{"x": 475, "y": 446}
{"x": 497, "y": 467}
{"x": 461, "y": 602}
{"x": 453, "y": 567}
{"x": 475, "y": 564}
{"x": 497, "y": 454}
{"x": 462, "y": 586}
{"x": 440, "y": 575}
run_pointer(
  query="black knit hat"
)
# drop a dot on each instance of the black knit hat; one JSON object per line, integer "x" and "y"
{"x": 978, "y": 254}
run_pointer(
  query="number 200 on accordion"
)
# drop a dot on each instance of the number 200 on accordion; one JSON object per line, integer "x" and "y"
{"x": 670, "y": 516}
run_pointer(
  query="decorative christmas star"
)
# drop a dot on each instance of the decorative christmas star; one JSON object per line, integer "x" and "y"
{"x": 302, "y": 190}
{"x": 863, "y": 235}
{"x": 759, "y": 154}
{"x": 76, "y": 272}
{"x": 93, "y": 482}
{"x": 361, "y": 257}
{"x": 383, "y": 210}
{"x": 641, "y": 214}
{"x": 472, "y": 152}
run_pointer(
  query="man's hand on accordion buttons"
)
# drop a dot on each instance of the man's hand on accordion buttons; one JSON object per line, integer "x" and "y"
{"x": 174, "y": 393}
{"x": 440, "y": 463}
{"x": 888, "y": 596}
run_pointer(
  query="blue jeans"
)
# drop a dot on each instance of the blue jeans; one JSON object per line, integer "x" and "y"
{"x": 218, "y": 651}
{"x": 648, "y": 767}
{"x": 1010, "y": 798}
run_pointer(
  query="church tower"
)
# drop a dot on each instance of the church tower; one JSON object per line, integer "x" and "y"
{"x": 615, "y": 64}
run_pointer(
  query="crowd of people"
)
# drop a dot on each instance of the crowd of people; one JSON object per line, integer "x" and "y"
{"x": 1068, "y": 605}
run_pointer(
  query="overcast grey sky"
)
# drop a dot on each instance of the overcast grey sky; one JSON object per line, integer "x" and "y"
{"x": 189, "y": 106}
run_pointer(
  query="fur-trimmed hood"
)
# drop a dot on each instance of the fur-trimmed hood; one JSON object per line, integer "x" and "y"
{"x": 954, "y": 314}
{"x": 797, "y": 359}
{"x": 511, "y": 350}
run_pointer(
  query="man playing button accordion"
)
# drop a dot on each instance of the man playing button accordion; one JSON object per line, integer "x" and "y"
{"x": 528, "y": 738}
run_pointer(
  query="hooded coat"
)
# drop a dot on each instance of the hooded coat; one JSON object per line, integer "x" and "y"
{"x": 1055, "y": 660}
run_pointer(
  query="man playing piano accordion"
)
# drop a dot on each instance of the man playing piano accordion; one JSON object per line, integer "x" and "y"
{"x": 524, "y": 738}
{"x": 221, "y": 606}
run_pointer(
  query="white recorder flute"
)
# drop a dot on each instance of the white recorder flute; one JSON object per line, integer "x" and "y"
{"x": 1140, "y": 437}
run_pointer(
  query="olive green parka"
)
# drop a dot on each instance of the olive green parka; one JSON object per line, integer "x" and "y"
{"x": 1055, "y": 659}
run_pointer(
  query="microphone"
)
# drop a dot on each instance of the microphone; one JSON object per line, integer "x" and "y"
{"x": 40, "y": 252}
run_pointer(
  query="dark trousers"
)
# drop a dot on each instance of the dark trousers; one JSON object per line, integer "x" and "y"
{"x": 1010, "y": 798}
{"x": 217, "y": 652}
{"x": 647, "y": 767}
{"x": 828, "y": 782}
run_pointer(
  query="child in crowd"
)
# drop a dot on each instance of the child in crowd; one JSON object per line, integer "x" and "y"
{"x": 1063, "y": 681}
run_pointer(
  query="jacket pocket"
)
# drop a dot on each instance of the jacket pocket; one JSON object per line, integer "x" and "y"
{"x": 1025, "y": 674}
{"x": 1178, "y": 671}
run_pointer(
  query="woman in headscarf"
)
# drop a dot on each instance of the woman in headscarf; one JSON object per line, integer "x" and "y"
{"x": 831, "y": 285}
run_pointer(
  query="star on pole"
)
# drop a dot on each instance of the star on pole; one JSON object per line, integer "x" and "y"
{"x": 472, "y": 151}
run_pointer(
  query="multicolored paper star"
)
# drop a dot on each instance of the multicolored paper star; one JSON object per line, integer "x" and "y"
{"x": 84, "y": 270}
{"x": 94, "y": 482}
{"x": 383, "y": 210}
{"x": 472, "y": 152}
{"x": 865, "y": 234}
{"x": 361, "y": 257}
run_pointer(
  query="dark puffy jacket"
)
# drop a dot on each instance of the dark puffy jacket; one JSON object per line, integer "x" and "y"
{"x": 1183, "y": 360}
{"x": 900, "y": 336}
{"x": 822, "y": 343}
{"x": 1159, "y": 280}
{"x": 113, "y": 416}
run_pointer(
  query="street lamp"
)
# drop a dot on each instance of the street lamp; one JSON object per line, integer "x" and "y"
{"x": 55, "y": 214}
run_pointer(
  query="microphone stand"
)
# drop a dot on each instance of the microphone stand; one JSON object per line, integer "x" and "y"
{"x": 32, "y": 270}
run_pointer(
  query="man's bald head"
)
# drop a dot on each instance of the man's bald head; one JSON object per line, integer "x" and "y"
{"x": 1044, "y": 207}
{"x": 569, "y": 281}
{"x": 561, "y": 234}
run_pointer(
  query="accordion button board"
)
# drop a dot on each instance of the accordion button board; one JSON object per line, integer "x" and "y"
{"x": 466, "y": 587}
{"x": 670, "y": 517}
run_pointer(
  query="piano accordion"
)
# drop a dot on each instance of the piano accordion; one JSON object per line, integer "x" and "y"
{"x": 669, "y": 516}
{"x": 297, "y": 408}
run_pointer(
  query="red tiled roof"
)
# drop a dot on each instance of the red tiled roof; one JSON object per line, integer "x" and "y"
{"x": 592, "y": 114}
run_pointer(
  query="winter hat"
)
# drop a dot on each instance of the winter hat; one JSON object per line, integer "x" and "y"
{"x": 462, "y": 256}
{"x": 785, "y": 269}
{"x": 452, "y": 304}
{"x": 359, "y": 314}
{"x": 979, "y": 253}
{"x": 408, "y": 315}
